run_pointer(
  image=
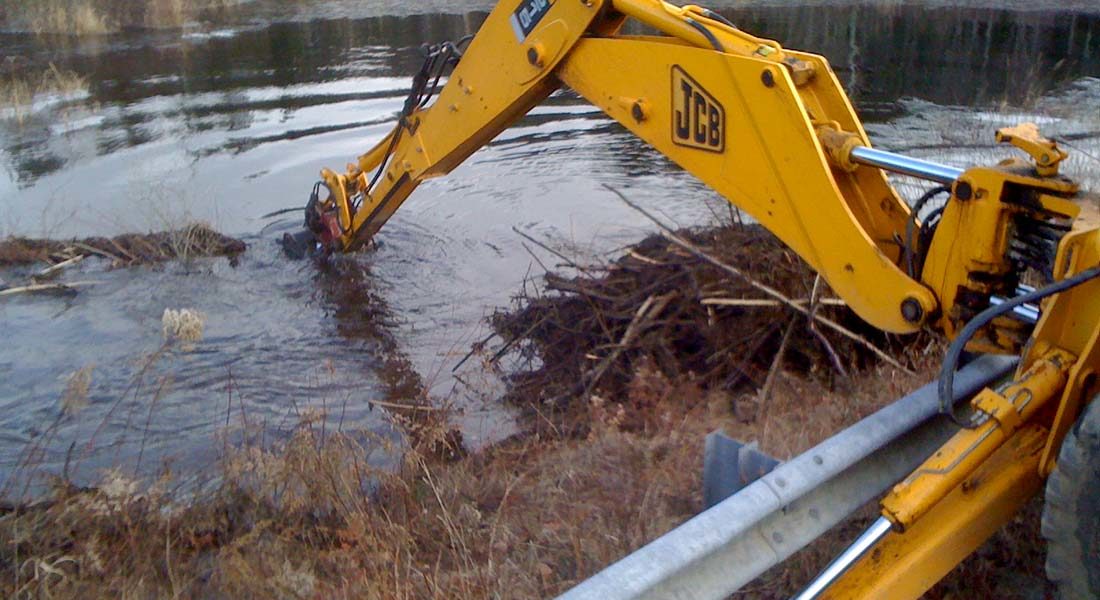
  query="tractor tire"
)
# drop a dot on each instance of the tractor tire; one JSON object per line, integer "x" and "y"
{"x": 1071, "y": 514}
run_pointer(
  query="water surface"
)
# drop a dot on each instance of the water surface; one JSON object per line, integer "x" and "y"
{"x": 231, "y": 120}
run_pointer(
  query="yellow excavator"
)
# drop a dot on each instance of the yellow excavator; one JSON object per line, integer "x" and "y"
{"x": 1008, "y": 265}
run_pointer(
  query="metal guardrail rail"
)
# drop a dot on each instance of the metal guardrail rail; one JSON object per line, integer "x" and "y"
{"x": 716, "y": 552}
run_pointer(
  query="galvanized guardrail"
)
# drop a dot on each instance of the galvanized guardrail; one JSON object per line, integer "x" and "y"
{"x": 718, "y": 551}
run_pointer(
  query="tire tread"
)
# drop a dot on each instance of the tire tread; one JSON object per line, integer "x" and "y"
{"x": 1075, "y": 480}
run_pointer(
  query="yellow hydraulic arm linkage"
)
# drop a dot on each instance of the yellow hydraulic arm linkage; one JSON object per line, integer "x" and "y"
{"x": 772, "y": 131}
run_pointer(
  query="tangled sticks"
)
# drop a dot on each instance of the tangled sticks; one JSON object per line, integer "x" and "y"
{"x": 124, "y": 250}
{"x": 684, "y": 304}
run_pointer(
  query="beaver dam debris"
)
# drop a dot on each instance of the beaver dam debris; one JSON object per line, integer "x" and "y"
{"x": 666, "y": 305}
{"x": 126, "y": 250}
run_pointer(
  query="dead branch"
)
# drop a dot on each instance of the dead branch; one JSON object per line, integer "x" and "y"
{"x": 69, "y": 288}
{"x": 773, "y": 371}
{"x": 93, "y": 250}
{"x": 815, "y": 303}
{"x": 53, "y": 270}
{"x": 399, "y": 406}
{"x": 763, "y": 302}
{"x": 556, "y": 253}
{"x": 669, "y": 234}
{"x": 650, "y": 308}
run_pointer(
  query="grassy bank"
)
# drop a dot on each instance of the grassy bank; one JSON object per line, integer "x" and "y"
{"x": 528, "y": 518}
{"x": 91, "y": 17}
{"x": 599, "y": 469}
{"x": 310, "y": 518}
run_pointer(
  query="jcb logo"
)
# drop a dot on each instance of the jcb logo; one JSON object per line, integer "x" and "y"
{"x": 698, "y": 119}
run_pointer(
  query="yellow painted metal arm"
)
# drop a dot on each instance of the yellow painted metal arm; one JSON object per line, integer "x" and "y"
{"x": 741, "y": 125}
{"x": 905, "y": 565}
{"x": 501, "y": 77}
{"x": 739, "y": 112}
{"x": 1004, "y": 410}
{"x": 768, "y": 128}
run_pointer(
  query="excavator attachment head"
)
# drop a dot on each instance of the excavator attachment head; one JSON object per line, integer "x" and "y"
{"x": 299, "y": 245}
{"x": 322, "y": 231}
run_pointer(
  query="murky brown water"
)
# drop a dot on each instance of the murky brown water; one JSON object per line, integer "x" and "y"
{"x": 233, "y": 120}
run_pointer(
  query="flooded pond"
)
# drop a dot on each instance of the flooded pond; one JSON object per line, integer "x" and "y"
{"x": 226, "y": 122}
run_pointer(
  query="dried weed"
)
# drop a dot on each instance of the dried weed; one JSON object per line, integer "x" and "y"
{"x": 98, "y": 17}
{"x": 77, "y": 385}
{"x": 184, "y": 325}
{"x": 19, "y": 92}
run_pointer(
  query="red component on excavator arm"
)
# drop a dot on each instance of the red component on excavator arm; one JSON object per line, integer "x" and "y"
{"x": 330, "y": 230}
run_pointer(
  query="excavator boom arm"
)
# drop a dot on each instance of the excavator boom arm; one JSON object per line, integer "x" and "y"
{"x": 735, "y": 110}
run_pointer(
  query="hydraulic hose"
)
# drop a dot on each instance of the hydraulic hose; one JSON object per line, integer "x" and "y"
{"x": 946, "y": 382}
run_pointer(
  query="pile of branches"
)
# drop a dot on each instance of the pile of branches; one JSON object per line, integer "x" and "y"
{"x": 125, "y": 250}
{"x": 724, "y": 307}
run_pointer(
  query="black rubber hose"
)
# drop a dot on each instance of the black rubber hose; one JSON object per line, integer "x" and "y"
{"x": 706, "y": 33}
{"x": 412, "y": 102}
{"x": 436, "y": 59}
{"x": 710, "y": 14}
{"x": 911, "y": 223}
{"x": 946, "y": 384}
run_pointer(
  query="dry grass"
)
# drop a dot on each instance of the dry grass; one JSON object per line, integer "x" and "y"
{"x": 76, "y": 17}
{"x": 98, "y": 17}
{"x": 163, "y": 14}
{"x": 529, "y": 518}
{"x": 18, "y": 92}
{"x": 77, "y": 385}
{"x": 311, "y": 517}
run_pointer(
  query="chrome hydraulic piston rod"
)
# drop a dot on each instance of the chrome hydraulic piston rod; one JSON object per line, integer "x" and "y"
{"x": 897, "y": 163}
{"x": 843, "y": 562}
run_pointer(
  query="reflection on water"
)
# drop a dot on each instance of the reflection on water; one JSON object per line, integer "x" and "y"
{"x": 223, "y": 92}
{"x": 233, "y": 122}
